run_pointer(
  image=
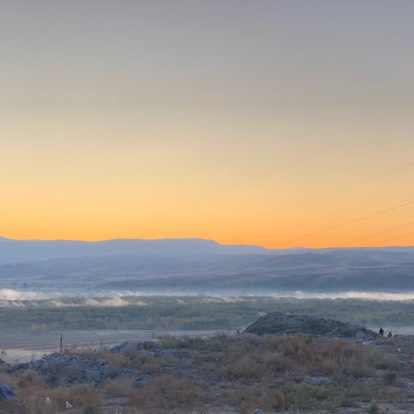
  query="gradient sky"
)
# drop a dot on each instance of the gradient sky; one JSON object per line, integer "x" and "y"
{"x": 278, "y": 123}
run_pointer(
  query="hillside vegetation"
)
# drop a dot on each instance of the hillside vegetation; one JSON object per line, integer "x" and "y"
{"x": 192, "y": 312}
{"x": 223, "y": 374}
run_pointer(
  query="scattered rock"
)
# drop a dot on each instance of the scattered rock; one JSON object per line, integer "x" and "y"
{"x": 18, "y": 367}
{"x": 60, "y": 369}
{"x": 7, "y": 392}
{"x": 318, "y": 380}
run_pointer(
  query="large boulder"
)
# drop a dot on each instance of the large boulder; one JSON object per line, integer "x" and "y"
{"x": 283, "y": 323}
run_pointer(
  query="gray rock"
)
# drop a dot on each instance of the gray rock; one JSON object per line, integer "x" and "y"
{"x": 18, "y": 367}
{"x": 58, "y": 369}
{"x": 258, "y": 411}
{"x": 7, "y": 392}
{"x": 318, "y": 380}
{"x": 95, "y": 376}
{"x": 133, "y": 374}
{"x": 348, "y": 330}
{"x": 282, "y": 323}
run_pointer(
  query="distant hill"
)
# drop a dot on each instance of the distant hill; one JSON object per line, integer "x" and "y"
{"x": 15, "y": 251}
{"x": 200, "y": 266}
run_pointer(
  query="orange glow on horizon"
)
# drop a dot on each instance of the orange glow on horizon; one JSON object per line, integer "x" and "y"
{"x": 276, "y": 124}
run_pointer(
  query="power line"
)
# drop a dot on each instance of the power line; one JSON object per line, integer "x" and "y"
{"x": 377, "y": 213}
{"x": 321, "y": 195}
{"x": 376, "y": 234}
{"x": 397, "y": 237}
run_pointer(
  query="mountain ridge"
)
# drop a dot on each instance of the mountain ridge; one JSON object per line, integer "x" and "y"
{"x": 14, "y": 251}
{"x": 200, "y": 266}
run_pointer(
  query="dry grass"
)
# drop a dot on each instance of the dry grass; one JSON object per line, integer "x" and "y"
{"x": 243, "y": 372}
{"x": 114, "y": 389}
{"x": 166, "y": 393}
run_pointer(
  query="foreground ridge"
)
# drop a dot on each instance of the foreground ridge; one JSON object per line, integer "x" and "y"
{"x": 312, "y": 365}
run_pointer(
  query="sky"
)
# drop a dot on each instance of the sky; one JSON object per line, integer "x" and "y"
{"x": 280, "y": 123}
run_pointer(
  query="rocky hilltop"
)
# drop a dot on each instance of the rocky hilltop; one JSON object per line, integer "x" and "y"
{"x": 284, "y": 323}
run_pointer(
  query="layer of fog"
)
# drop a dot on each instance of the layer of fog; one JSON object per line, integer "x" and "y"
{"x": 22, "y": 298}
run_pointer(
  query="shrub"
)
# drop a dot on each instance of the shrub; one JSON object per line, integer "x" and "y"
{"x": 77, "y": 395}
{"x": 116, "y": 362}
{"x": 242, "y": 367}
{"x": 91, "y": 410}
{"x": 373, "y": 409}
{"x": 113, "y": 388}
{"x": 389, "y": 377}
{"x": 307, "y": 397}
{"x": 275, "y": 364}
{"x": 185, "y": 342}
{"x": 379, "y": 360}
{"x": 166, "y": 392}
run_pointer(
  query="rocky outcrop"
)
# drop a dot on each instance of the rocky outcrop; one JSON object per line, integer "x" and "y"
{"x": 282, "y": 323}
{"x": 7, "y": 392}
{"x": 62, "y": 369}
{"x": 58, "y": 369}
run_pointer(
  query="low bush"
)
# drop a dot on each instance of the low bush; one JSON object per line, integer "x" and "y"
{"x": 166, "y": 392}
{"x": 389, "y": 377}
{"x": 113, "y": 388}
